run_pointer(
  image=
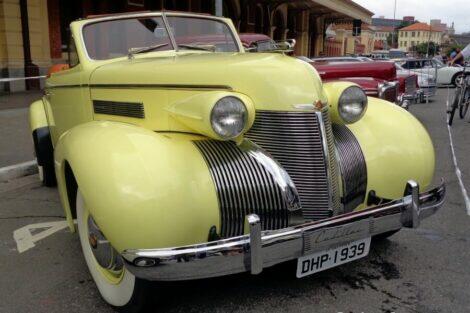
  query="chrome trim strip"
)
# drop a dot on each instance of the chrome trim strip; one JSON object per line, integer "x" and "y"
{"x": 353, "y": 167}
{"x": 326, "y": 153}
{"x": 170, "y": 34}
{"x": 148, "y": 86}
{"x": 264, "y": 249}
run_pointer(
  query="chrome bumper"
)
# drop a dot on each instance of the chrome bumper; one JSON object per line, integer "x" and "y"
{"x": 261, "y": 249}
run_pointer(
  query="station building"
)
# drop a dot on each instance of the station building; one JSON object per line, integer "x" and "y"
{"x": 34, "y": 33}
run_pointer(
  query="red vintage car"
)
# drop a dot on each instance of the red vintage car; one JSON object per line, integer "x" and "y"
{"x": 377, "y": 78}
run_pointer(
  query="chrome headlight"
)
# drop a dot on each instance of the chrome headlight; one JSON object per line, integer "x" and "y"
{"x": 229, "y": 117}
{"x": 352, "y": 104}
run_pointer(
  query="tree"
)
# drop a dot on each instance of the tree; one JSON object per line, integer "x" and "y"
{"x": 422, "y": 48}
{"x": 452, "y": 48}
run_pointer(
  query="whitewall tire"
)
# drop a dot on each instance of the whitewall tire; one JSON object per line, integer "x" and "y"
{"x": 122, "y": 289}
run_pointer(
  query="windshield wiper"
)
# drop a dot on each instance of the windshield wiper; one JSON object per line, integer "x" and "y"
{"x": 195, "y": 47}
{"x": 133, "y": 51}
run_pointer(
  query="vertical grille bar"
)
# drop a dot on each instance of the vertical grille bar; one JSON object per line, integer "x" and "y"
{"x": 243, "y": 187}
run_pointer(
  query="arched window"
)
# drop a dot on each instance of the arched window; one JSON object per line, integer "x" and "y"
{"x": 279, "y": 25}
{"x": 230, "y": 11}
{"x": 259, "y": 19}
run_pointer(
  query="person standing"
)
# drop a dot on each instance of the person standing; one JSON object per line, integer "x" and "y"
{"x": 461, "y": 55}
{"x": 453, "y": 54}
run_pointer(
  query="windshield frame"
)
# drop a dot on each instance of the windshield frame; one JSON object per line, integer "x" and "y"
{"x": 164, "y": 16}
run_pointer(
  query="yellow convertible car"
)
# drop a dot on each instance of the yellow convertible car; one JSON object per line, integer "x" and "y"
{"x": 182, "y": 157}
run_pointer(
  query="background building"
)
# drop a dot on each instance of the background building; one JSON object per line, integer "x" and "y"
{"x": 383, "y": 37}
{"x": 34, "y": 33}
{"x": 415, "y": 34}
{"x": 345, "y": 43}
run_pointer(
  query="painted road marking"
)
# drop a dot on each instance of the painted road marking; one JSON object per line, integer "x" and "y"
{"x": 25, "y": 240}
{"x": 458, "y": 173}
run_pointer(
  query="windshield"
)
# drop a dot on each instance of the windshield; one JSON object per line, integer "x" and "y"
{"x": 116, "y": 38}
{"x": 439, "y": 63}
{"x": 203, "y": 33}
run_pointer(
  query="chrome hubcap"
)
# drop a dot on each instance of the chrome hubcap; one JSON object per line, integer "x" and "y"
{"x": 104, "y": 253}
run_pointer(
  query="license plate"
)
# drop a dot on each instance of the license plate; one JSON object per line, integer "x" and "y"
{"x": 323, "y": 260}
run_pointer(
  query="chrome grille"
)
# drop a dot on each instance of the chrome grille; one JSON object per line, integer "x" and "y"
{"x": 390, "y": 93}
{"x": 410, "y": 85}
{"x": 353, "y": 167}
{"x": 295, "y": 140}
{"x": 243, "y": 187}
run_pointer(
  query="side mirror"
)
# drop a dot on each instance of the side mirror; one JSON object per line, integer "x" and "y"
{"x": 57, "y": 68}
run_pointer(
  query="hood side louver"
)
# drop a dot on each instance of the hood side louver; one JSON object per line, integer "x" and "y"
{"x": 127, "y": 109}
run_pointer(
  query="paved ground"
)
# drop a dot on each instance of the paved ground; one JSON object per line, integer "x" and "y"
{"x": 415, "y": 271}
{"x": 15, "y": 140}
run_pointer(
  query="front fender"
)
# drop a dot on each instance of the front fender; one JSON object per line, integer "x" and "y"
{"x": 144, "y": 189}
{"x": 396, "y": 148}
{"x": 37, "y": 116}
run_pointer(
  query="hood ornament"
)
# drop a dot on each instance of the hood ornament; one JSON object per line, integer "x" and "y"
{"x": 317, "y": 105}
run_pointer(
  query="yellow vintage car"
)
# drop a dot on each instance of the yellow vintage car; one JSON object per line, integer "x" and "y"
{"x": 182, "y": 157}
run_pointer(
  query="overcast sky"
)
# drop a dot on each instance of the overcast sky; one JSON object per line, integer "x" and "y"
{"x": 448, "y": 11}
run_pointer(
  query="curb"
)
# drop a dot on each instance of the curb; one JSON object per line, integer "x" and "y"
{"x": 18, "y": 170}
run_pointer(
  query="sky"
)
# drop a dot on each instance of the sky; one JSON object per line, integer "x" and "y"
{"x": 448, "y": 11}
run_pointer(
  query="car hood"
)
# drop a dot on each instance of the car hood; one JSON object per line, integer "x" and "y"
{"x": 272, "y": 81}
{"x": 369, "y": 84}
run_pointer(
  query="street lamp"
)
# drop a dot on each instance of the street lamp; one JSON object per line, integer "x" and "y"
{"x": 394, "y": 28}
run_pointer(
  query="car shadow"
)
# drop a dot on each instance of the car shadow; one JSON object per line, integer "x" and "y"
{"x": 278, "y": 283}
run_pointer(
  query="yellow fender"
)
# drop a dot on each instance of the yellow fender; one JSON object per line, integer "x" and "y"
{"x": 144, "y": 189}
{"x": 396, "y": 148}
{"x": 37, "y": 115}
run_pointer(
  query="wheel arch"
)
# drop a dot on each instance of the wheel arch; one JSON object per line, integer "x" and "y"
{"x": 144, "y": 189}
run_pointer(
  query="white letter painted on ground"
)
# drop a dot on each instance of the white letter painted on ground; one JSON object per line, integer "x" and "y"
{"x": 25, "y": 239}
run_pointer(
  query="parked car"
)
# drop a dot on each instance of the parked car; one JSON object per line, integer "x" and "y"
{"x": 426, "y": 83}
{"x": 336, "y": 59}
{"x": 253, "y": 42}
{"x": 184, "y": 159}
{"x": 378, "y": 79}
{"x": 445, "y": 75}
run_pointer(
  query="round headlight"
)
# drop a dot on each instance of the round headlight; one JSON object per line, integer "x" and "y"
{"x": 352, "y": 104}
{"x": 229, "y": 117}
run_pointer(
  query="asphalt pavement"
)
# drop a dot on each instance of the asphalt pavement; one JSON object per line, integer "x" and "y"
{"x": 424, "y": 270}
{"x": 15, "y": 140}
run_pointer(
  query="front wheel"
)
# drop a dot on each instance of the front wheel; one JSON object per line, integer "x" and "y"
{"x": 463, "y": 108}
{"x": 458, "y": 79}
{"x": 117, "y": 286}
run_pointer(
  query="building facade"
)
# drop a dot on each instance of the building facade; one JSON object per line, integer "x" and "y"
{"x": 411, "y": 36}
{"x": 34, "y": 33}
{"x": 382, "y": 35}
{"x": 345, "y": 43}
